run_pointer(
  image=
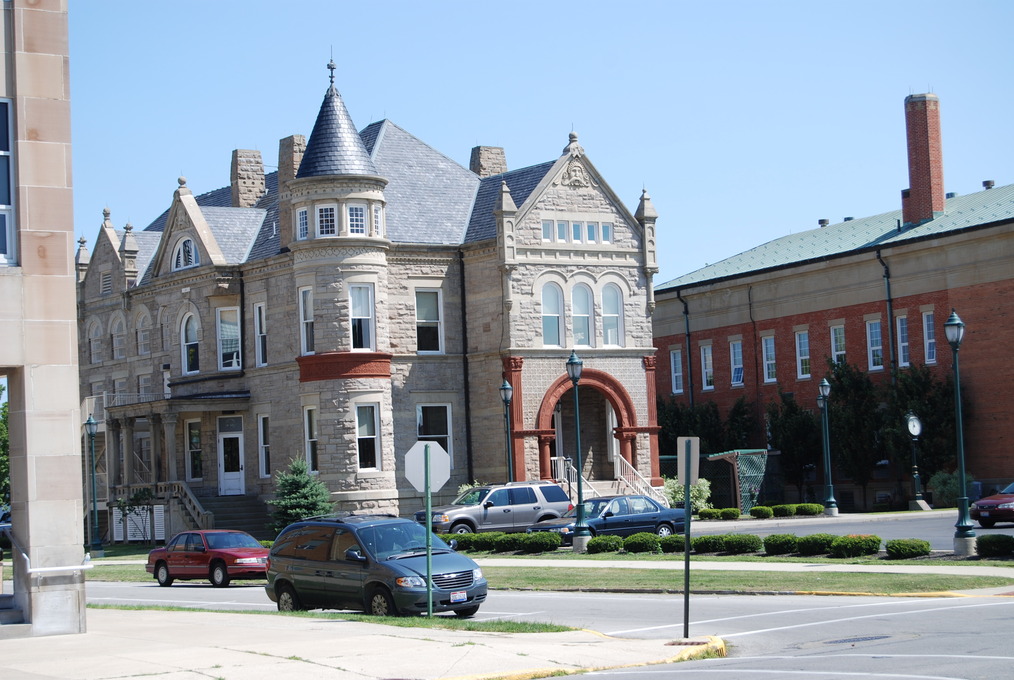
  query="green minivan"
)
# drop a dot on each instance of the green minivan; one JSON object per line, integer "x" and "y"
{"x": 374, "y": 563}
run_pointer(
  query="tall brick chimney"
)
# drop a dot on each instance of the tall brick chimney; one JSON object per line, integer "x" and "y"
{"x": 487, "y": 161}
{"x": 924, "y": 199}
{"x": 247, "y": 178}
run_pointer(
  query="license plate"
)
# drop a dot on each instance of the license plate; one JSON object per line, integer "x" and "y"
{"x": 459, "y": 596}
{"x": 984, "y": 513}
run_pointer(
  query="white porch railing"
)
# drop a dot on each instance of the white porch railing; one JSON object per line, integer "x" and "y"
{"x": 564, "y": 472}
{"x": 635, "y": 481}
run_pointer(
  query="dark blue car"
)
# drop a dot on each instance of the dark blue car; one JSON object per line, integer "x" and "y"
{"x": 619, "y": 516}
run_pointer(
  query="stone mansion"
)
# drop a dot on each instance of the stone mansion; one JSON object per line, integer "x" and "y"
{"x": 369, "y": 294}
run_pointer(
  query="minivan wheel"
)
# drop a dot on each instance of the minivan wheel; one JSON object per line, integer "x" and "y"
{"x": 288, "y": 601}
{"x": 219, "y": 575}
{"x": 162, "y": 574}
{"x": 466, "y": 612}
{"x": 381, "y": 603}
{"x": 664, "y": 530}
{"x": 461, "y": 528}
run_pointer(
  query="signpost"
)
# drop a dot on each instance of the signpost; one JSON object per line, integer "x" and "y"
{"x": 688, "y": 451}
{"x": 427, "y": 468}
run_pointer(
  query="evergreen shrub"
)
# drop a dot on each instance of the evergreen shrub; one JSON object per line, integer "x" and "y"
{"x": 707, "y": 544}
{"x": 787, "y": 510}
{"x": 485, "y": 542}
{"x": 508, "y": 542}
{"x": 643, "y": 542}
{"x": 855, "y": 545}
{"x": 994, "y": 545}
{"x": 907, "y": 548}
{"x": 815, "y": 544}
{"x": 466, "y": 542}
{"x": 539, "y": 542}
{"x": 780, "y": 544}
{"x": 709, "y": 513}
{"x": 809, "y": 509}
{"x": 603, "y": 544}
{"x": 761, "y": 512}
{"x": 729, "y": 513}
{"x": 737, "y": 544}
{"x": 672, "y": 544}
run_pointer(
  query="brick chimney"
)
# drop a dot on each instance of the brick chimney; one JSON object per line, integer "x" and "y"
{"x": 487, "y": 161}
{"x": 247, "y": 178}
{"x": 924, "y": 199}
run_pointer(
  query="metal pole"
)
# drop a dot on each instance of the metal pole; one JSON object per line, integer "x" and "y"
{"x": 915, "y": 469}
{"x": 687, "y": 511}
{"x": 581, "y": 525}
{"x": 96, "y": 545}
{"x": 964, "y": 525}
{"x": 830, "y": 504}
{"x": 429, "y": 531}
{"x": 507, "y": 440}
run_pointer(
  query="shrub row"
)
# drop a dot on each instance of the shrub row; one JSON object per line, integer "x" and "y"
{"x": 764, "y": 511}
{"x": 994, "y": 545}
{"x": 720, "y": 513}
{"x": 498, "y": 541}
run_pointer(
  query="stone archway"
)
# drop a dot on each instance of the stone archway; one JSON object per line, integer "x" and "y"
{"x": 611, "y": 389}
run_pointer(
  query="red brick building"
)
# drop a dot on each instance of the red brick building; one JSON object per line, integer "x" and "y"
{"x": 876, "y": 289}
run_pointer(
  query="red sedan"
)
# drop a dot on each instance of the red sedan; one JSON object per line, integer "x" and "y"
{"x": 996, "y": 508}
{"x": 219, "y": 555}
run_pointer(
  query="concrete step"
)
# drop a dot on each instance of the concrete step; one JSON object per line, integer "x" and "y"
{"x": 12, "y": 620}
{"x": 246, "y": 513}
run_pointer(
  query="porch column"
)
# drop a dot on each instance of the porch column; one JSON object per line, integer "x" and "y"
{"x": 169, "y": 428}
{"x": 545, "y": 465}
{"x": 512, "y": 374}
{"x": 128, "y": 451}
{"x": 113, "y": 451}
{"x": 626, "y": 448}
{"x": 651, "y": 394}
{"x": 157, "y": 458}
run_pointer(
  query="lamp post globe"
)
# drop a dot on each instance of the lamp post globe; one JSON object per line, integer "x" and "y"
{"x": 91, "y": 428}
{"x": 506, "y": 392}
{"x": 964, "y": 536}
{"x": 581, "y": 532}
{"x": 823, "y": 398}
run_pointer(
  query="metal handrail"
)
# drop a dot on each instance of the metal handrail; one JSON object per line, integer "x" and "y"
{"x": 567, "y": 473}
{"x": 86, "y": 564}
{"x": 634, "y": 480}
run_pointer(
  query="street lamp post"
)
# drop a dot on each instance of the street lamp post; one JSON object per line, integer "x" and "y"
{"x": 964, "y": 536}
{"x": 91, "y": 427}
{"x": 830, "y": 505}
{"x": 581, "y": 533}
{"x": 915, "y": 429}
{"x": 506, "y": 391}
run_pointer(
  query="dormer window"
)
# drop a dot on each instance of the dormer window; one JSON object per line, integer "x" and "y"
{"x": 186, "y": 255}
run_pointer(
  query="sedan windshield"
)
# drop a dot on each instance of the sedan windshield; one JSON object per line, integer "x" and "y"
{"x": 227, "y": 541}
{"x": 592, "y": 508}
{"x": 1009, "y": 489}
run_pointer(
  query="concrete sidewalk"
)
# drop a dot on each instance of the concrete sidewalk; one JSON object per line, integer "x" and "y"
{"x": 181, "y": 645}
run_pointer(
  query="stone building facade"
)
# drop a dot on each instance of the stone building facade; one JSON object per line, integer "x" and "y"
{"x": 369, "y": 294}
{"x": 873, "y": 291}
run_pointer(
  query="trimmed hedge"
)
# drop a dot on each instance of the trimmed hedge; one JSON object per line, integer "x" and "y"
{"x": 780, "y": 544}
{"x": 672, "y": 544}
{"x": 643, "y": 542}
{"x": 809, "y": 509}
{"x": 485, "y": 542}
{"x": 815, "y": 544}
{"x": 508, "y": 542}
{"x": 855, "y": 545}
{"x": 540, "y": 541}
{"x": 602, "y": 544}
{"x": 783, "y": 510}
{"x": 761, "y": 512}
{"x": 994, "y": 545}
{"x": 729, "y": 513}
{"x": 466, "y": 542}
{"x": 906, "y": 548}
{"x": 709, "y": 513}
{"x": 707, "y": 544}
{"x": 737, "y": 544}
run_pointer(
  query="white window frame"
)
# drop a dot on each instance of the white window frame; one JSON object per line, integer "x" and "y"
{"x": 327, "y": 220}
{"x": 875, "y": 345}
{"x": 437, "y": 323}
{"x": 378, "y": 220}
{"x": 736, "y": 363}
{"x": 260, "y": 334}
{"x": 803, "y": 366}
{"x": 95, "y": 344}
{"x": 8, "y": 232}
{"x": 676, "y": 370}
{"x": 547, "y": 231}
{"x": 305, "y": 297}
{"x": 310, "y": 439}
{"x": 577, "y": 231}
{"x": 190, "y": 450}
{"x": 553, "y": 289}
{"x": 929, "y": 339}
{"x": 769, "y": 358}
{"x": 142, "y": 334}
{"x": 186, "y": 342}
{"x": 144, "y": 384}
{"x": 562, "y": 230}
{"x": 904, "y": 355}
{"x": 263, "y": 445}
{"x": 612, "y": 315}
{"x": 302, "y": 224}
{"x": 707, "y": 368}
{"x": 445, "y": 440}
{"x": 118, "y": 338}
{"x": 837, "y": 355}
{"x": 367, "y": 322}
{"x": 582, "y": 312}
{"x": 356, "y": 215}
{"x": 607, "y": 232}
{"x": 374, "y": 423}
{"x": 186, "y": 254}
{"x": 228, "y": 360}
{"x": 591, "y": 232}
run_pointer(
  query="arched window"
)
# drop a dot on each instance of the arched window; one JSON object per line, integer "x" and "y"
{"x": 142, "y": 330}
{"x": 612, "y": 316}
{"x": 118, "y": 337}
{"x": 581, "y": 302}
{"x": 186, "y": 255}
{"x": 95, "y": 344}
{"x": 552, "y": 315}
{"x": 190, "y": 331}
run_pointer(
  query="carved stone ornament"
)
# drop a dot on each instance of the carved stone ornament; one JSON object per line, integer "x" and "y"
{"x": 575, "y": 176}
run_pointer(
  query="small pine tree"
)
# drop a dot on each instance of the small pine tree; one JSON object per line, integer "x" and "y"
{"x": 298, "y": 495}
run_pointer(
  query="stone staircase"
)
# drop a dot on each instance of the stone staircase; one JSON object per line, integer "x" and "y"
{"x": 12, "y": 620}
{"x": 246, "y": 513}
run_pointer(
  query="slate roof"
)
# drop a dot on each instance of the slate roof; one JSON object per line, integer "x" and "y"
{"x": 429, "y": 196}
{"x": 521, "y": 183}
{"x": 335, "y": 147}
{"x": 147, "y": 244}
{"x": 868, "y": 233}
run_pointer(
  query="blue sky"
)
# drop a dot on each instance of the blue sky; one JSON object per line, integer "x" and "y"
{"x": 745, "y": 120}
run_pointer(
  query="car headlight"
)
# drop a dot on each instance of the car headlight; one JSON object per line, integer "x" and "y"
{"x": 250, "y": 560}
{"x": 476, "y": 574}
{"x": 1006, "y": 506}
{"x": 410, "y": 582}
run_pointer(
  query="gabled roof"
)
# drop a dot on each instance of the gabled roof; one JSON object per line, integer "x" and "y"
{"x": 147, "y": 244}
{"x": 835, "y": 240}
{"x": 429, "y": 196}
{"x": 521, "y": 183}
{"x": 335, "y": 147}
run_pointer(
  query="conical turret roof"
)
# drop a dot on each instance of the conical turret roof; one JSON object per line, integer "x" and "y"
{"x": 335, "y": 147}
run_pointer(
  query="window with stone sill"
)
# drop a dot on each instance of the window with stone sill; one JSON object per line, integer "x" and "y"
{"x": 143, "y": 335}
{"x": 612, "y": 316}
{"x": 260, "y": 334}
{"x": 190, "y": 333}
{"x": 576, "y": 231}
{"x": 929, "y": 341}
{"x": 552, "y": 315}
{"x": 306, "y": 321}
{"x": 119, "y": 340}
{"x": 736, "y": 362}
{"x": 95, "y": 344}
{"x": 676, "y": 367}
{"x": 357, "y": 218}
{"x": 433, "y": 424}
{"x": 378, "y": 221}
{"x": 263, "y": 446}
{"x": 228, "y": 339}
{"x": 302, "y": 224}
{"x": 428, "y": 322}
{"x": 194, "y": 452}
{"x": 903, "y": 354}
{"x": 770, "y": 366}
{"x": 838, "y": 344}
{"x": 874, "y": 346}
{"x": 310, "y": 438}
{"x": 583, "y": 320}
{"x": 327, "y": 220}
{"x": 707, "y": 368}
{"x": 803, "y": 354}
{"x": 362, "y": 317}
{"x": 367, "y": 440}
